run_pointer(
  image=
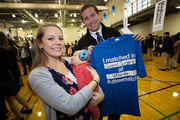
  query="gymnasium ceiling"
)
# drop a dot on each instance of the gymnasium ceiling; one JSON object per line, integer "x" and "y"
{"x": 66, "y": 9}
{"x": 45, "y": 9}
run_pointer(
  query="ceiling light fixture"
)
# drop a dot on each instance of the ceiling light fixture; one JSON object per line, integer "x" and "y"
{"x": 75, "y": 15}
{"x": 73, "y": 20}
{"x": 36, "y": 15}
{"x": 56, "y": 15}
{"x": 23, "y": 21}
{"x": 178, "y": 7}
{"x": 105, "y": 0}
{"x": 41, "y": 21}
{"x": 13, "y": 15}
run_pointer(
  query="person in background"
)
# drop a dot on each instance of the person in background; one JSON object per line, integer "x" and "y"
{"x": 32, "y": 51}
{"x": 15, "y": 47}
{"x": 25, "y": 56}
{"x": 149, "y": 44}
{"x": 156, "y": 46}
{"x": 160, "y": 43}
{"x": 67, "y": 46}
{"x": 167, "y": 52}
{"x": 80, "y": 60}
{"x": 75, "y": 45}
{"x": 70, "y": 50}
{"x": 12, "y": 45}
{"x": 143, "y": 46}
{"x": 176, "y": 46}
{"x": 53, "y": 81}
{"x": 64, "y": 51}
{"x": 97, "y": 32}
{"x": 72, "y": 47}
{"x": 10, "y": 72}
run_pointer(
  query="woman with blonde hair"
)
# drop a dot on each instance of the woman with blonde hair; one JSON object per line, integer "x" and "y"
{"x": 53, "y": 81}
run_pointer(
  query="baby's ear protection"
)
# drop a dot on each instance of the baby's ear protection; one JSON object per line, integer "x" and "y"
{"x": 83, "y": 55}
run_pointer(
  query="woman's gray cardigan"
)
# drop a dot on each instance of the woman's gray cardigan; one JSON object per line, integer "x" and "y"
{"x": 54, "y": 97}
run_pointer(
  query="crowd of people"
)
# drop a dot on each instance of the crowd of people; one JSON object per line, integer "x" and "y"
{"x": 64, "y": 94}
{"x": 168, "y": 47}
{"x": 10, "y": 81}
{"x": 70, "y": 49}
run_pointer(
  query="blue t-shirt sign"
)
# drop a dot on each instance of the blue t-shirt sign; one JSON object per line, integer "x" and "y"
{"x": 118, "y": 62}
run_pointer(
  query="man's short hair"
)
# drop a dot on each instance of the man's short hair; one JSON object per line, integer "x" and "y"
{"x": 85, "y": 6}
{"x": 167, "y": 33}
{"x": 150, "y": 35}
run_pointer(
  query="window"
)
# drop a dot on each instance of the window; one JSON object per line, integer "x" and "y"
{"x": 142, "y": 4}
{"x": 131, "y": 8}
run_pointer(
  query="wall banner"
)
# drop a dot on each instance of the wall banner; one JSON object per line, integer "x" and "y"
{"x": 159, "y": 14}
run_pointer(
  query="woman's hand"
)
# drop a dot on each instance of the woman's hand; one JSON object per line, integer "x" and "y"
{"x": 90, "y": 49}
{"x": 97, "y": 98}
{"x": 137, "y": 36}
{"x": 93, "y": 73}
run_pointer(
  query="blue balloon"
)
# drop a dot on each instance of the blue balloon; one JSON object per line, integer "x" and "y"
{"x": 104, "y": 17}
{"x": 113, "y": 9}
{"x": 9, "y": 30}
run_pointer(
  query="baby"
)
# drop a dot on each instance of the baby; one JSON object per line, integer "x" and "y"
{"x": 80, "y": 60}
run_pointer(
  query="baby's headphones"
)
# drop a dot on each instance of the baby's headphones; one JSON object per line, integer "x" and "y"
{"x": 83, "y": 55}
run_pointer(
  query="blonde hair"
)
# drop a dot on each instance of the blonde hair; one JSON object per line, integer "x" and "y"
{"x": 40, "y": 58}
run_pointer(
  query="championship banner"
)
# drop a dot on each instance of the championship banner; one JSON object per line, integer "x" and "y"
{"x": 159, "y": 14}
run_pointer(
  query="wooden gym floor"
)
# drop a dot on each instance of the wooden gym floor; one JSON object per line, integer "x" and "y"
{"x": 159, "y": 95}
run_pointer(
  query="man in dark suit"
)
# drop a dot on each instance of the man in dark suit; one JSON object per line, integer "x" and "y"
{"x": 167, "y": 52}
{"x": 96, "y": 33}
{"x": 91, "y": 19}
